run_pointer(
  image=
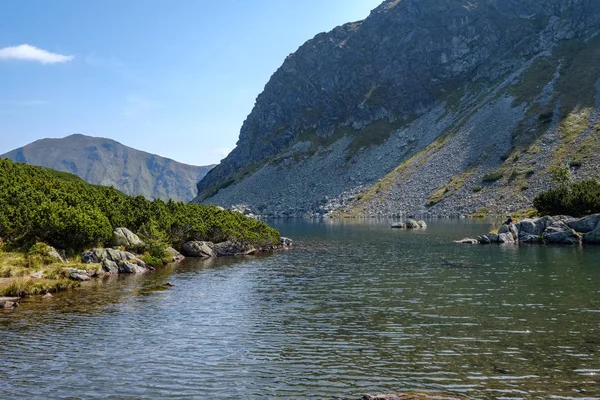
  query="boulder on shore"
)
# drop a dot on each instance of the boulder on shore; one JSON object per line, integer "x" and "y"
{"x": 230, "y": 248}
{"x": 585, "y": 224}
{"x": 592, "y": 237}
{"x": 199, "y": 249}
{"x": 176, "y": 256}
{"x": 124, "y": 237}
{"x": 467, "y": 241}
{"x": 114, "y": 261}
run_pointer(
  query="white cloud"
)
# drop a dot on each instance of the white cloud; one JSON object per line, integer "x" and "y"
{"x": 26, "y": 52}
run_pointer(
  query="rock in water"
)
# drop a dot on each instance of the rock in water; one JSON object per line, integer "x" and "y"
{"x": 399, "y": 225}
{"x": 560, "y": 233}
{"x": 592, "y": 237}
{"x": 412, "y": 224}
{"x": 285, "y": 241}
{"x": 467, "y": 241}
{"x": 506, "y": 238}
{"x": 124, "y": 237}
{"x": 415, "y": 396}
{"x": 230, "y": 248}
{"x": 199, "y": 249}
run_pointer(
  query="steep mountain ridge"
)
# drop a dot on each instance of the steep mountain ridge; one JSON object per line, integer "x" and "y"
{"x": 106, "y": 162}
{"x": 415, "y": 79}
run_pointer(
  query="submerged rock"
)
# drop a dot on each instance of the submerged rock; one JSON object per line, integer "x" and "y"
{"x": 414, "y": 396}
{"x": 9, "y": 302}
{"x": 399, "y": 225}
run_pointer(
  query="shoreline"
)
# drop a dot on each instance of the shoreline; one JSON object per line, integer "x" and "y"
{"x": 45, "y": 270}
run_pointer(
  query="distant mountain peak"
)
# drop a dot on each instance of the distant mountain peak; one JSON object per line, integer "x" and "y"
{"x": 104, "y": 161}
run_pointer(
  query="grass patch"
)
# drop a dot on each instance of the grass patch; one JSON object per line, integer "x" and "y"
{"x": 455, "y": 184}
{"x": 493, "y": 176}
{"x": 22, "y": 287}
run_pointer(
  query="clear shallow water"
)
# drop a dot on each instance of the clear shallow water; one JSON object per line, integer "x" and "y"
{"x": 355, "y": 308}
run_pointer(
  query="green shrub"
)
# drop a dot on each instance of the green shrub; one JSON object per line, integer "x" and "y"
{"x": 493, "y": 176}
{"x": 577, "y": 199}
{"x": 41, "y": 205}
{"x": 477, "y": 189}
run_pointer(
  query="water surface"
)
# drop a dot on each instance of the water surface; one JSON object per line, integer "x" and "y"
{"x": 354, "y": 308}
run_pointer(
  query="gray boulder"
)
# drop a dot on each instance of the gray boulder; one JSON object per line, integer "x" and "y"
{"x": 514, "y": 231}
{"x": 176, "y": 256}
{"x": 467, "y": 241}
{"x": 199, "y": 249}
{"x": 114, "y": 261}
{"x": 506, "y": 238}
{"x": 399, "y": 225}
{"x": 531, "y": 226}
{"x": 585, "y": 224}
{"x": 127, "y": 267}
{"x": 77, "y": 274}
{"x": 55, "y": 254}
{"x": 484, "y": 240}
{"x": 529, "y": 238}
{"x": 422, "y": 224}
{"x": 110, "y": 267}
{"x": 285, "y": 241}
{"x": 124, "y": 237}
{"x": 592, "y": 237}
{"x": 503, "y": 229}
{"x": 9, "y": 302}
{"x": 493, "y": 237}
{"x": 230, "y": 248}
{"x": 560, "y": 233}
{"x": 412, "y": 224}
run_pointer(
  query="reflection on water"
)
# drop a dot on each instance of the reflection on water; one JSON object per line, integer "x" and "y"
{"x": 355, "y": 308}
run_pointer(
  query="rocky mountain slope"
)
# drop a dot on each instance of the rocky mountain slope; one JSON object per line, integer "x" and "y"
{"x": 439, "y": 107}
{"x": 106, "y": 162}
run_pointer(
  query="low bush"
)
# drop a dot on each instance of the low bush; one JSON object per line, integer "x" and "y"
{"x": 576, "y": 199}
{"x": 41, "y": 205}
{"x": 493, "y": 176}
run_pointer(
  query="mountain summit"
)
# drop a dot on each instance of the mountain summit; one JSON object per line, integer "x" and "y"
{"x": 427, "y": 106}
{"x": 106, "y": 162}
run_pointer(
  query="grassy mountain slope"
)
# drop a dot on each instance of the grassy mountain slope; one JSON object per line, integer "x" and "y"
{"x": 106, "y": 162}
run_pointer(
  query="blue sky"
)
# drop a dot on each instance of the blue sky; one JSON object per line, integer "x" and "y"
{"x": 175, "y": 78}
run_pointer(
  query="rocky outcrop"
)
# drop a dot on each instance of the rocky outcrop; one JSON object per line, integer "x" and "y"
{"x": 116, "y": 261}
{"x": 555, "y": 230}
{"x": 124, "y": 237}
{"x": 413, "y": 109}
{"x": 229, "y": 248}
{"x": 101, "y": 161}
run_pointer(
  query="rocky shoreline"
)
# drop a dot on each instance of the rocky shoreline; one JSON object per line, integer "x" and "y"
{"x": 558, "y": 229}
{"x": 122, "y": 259}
